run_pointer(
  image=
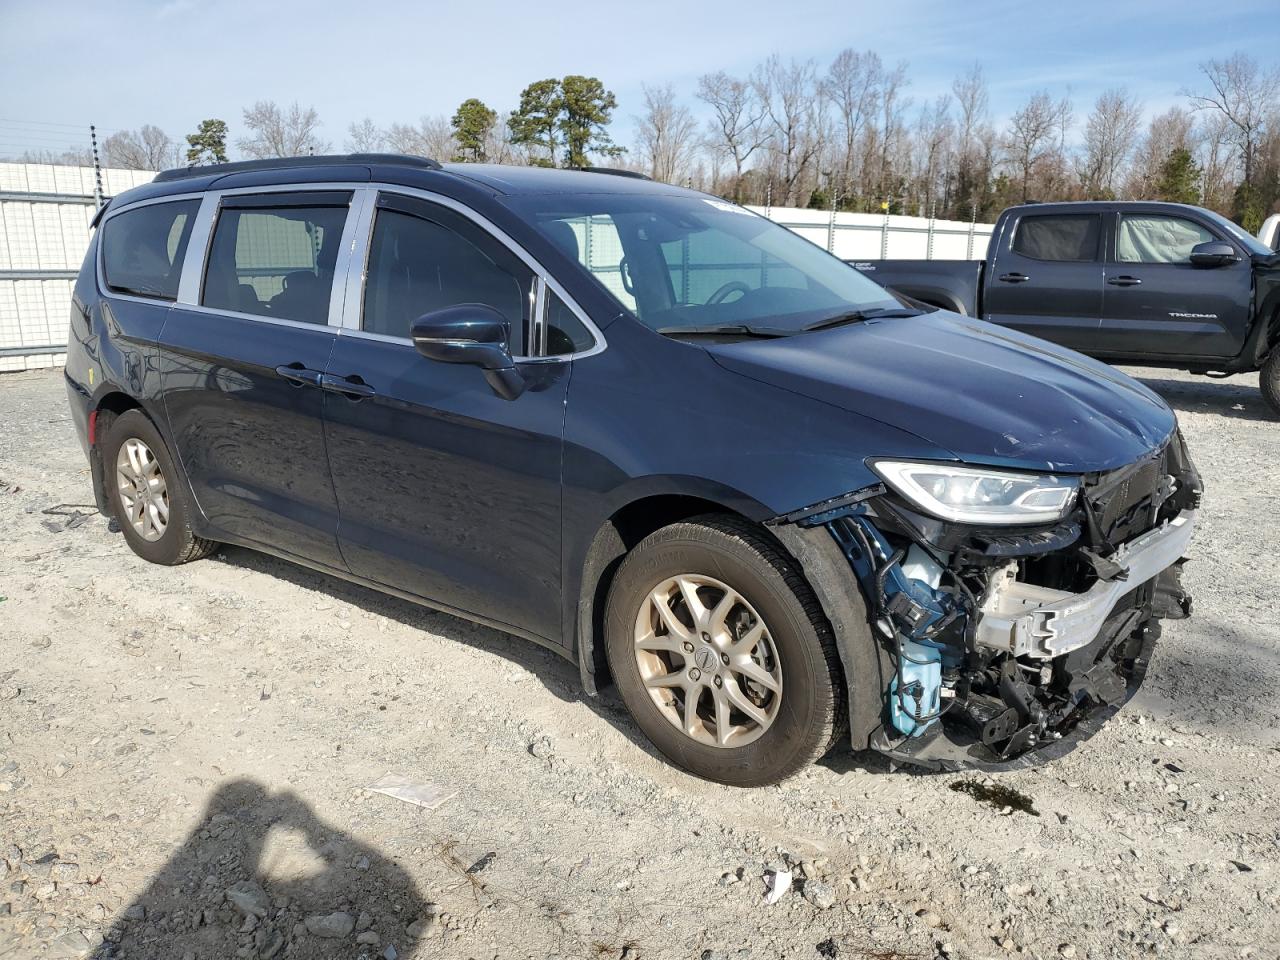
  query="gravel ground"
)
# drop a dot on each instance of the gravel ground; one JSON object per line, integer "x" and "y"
{"x": 184, "y": 755}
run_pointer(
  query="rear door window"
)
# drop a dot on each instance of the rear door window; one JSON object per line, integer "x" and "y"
{"x": 143, "y": 248}
{"x": 1071, "y": 238}
{"x": 1158, "y": 239}
{"x": 274, "y": 261}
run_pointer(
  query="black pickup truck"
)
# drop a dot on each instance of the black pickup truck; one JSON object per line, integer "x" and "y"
{"x": 1155, "y": 284}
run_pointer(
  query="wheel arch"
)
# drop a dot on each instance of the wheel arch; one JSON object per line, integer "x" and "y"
{"x": 613, "y": 539}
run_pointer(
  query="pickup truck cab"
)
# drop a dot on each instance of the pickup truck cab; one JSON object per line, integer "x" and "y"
{"x": 1158, "y": 284}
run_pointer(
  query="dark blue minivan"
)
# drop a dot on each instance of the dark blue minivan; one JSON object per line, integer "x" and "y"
{"x": 775, "y": 504}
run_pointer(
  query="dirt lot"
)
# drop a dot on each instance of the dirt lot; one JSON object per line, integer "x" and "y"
{"x": 184, "y": 752}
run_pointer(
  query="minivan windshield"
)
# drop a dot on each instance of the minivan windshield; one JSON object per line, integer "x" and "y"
{"x": 689, "y": 265}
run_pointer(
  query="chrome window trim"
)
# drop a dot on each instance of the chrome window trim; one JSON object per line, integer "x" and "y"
{"x": 538, "y": 331}
{"x": 345, "y": 299}
{"x": 99, "y": 261}
{"x": 238, "y": 315}
{"x": 351, "y": 315}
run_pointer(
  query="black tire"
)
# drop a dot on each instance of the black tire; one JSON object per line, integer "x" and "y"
{"x": 1269, "y": 380}
{"x": 178, "y": 544}
{"x": 811, "y": 714}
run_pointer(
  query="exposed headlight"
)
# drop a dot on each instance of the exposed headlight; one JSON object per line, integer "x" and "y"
{"x": 980, "y": 495}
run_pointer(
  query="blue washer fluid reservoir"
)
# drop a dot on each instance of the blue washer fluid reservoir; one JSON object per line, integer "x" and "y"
{"x": 921, "y": 690}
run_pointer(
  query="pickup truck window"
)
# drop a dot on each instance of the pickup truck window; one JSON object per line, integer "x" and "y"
{"x": 1146, "y": 238}
{"x": 1064, "y": 237}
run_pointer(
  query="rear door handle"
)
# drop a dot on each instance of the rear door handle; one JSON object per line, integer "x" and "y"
{"x": 1013, "y": 278}
{"x": 1123, "y": 281}
{"x": 299, "y": 375}
{"x": 352, "y": 387}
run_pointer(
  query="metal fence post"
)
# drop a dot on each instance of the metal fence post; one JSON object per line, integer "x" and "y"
{"x": 928, "y": 252}
{"x": 884, "y": 231}
{"x": 973, "y": 222}
{"x": 97, "y": 168}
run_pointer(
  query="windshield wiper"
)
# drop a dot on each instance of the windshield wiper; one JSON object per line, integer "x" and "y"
{"x": 857, "y": 316}
{"x": 728, "y": 330}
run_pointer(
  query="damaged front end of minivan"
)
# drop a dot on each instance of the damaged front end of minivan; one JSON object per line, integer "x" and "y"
{"x": 998, "y": 644}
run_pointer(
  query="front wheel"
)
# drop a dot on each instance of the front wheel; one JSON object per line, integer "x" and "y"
{"x": 721, "y": 652}
{"x": 1269, "y": 380}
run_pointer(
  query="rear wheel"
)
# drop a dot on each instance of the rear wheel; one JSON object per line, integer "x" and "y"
{"x": 721, "y": 652}
{"x": 1269, "y": 380}
{"x": 146, "y": 494}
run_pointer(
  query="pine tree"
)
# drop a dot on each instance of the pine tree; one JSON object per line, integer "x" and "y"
{"x": 208, "y": 144}
{"x": 472, "y": 124}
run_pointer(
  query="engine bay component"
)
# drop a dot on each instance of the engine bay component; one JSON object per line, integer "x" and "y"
{"x": 1010, "y": 644}
{"x": 1026, "y": 619}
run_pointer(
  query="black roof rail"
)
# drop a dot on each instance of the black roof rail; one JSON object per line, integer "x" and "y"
{"x": 285, "y": 163}
{"x": 617, "y": 172}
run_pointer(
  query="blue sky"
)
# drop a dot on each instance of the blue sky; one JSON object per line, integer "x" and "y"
{"x": 124, "y": 63}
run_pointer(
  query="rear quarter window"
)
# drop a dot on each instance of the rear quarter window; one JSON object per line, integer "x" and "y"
{"x": 143, "y": 248}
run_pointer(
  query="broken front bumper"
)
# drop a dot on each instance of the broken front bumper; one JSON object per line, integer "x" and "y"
{"x": 1028, "y": 620}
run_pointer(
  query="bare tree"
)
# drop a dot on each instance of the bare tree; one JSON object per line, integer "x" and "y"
{"x": 885, "y": 146}
{"x": 974, "y": 141}
{"x": 852, "y": 85}
{"x": 1109, "y": 136}
{"x": 281, "y": 133}
{"x": 666, "y": 134}
{"x": 432, "y": 137}
{"x": 365, "y": 137}
{"x": 1245, "y": 94}
{"x": 147, "y": 149}
{"x": 793, "y": 107}
{"x": 737, "y": 127}
{"x": 935, "y": 133}
{"x": 1035, "y": 141}
{"x": 1170, "y": 131}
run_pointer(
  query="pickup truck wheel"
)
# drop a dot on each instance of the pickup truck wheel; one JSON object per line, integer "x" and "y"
{"x": 1269, "y": 380}
{"x": 722, "y": 654}
{"x": 146, "y": 493}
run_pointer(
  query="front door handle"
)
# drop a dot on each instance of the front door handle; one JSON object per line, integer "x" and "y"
{"x": 1013, "y": 278}
{"x": 1123, "y": 281}
{"x": 298, "y": 375}
{"x": 352, "y": 387}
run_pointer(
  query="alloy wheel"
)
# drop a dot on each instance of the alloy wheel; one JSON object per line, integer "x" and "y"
{"x": 708, "y": 661}
{"x": 143, "y": 492}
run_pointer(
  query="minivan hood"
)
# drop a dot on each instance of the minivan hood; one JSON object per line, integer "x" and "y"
{"x": 988, "y": 394}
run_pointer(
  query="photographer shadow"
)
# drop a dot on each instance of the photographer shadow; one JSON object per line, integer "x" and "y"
{"x": 262, "y": 876}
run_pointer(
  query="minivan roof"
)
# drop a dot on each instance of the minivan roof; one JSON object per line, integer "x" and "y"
{"x": 421, "y": 172}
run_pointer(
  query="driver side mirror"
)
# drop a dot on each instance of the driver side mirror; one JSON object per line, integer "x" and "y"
{"x": 471, "y": 333}
{"x": 1212, "y": 253}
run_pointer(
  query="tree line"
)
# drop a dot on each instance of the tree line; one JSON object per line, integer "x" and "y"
{"x": 847, "y": 135}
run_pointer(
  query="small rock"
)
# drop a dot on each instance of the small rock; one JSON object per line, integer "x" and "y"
{"x": 390, "y": 953}
{"x": 364, "y": 921}
{"x": 1067, "y": 951}
{"x": 820, "y": 894}
{"x": 136, "y": 912}
{"x": 71, "y": 944}
{"x": 368, "y": 936}
{"x": 249, "y": 898}
{"x": 270, "y": 942}
{"x": 64, "y": 872}
{"x": 422, "y": 927}
{"x": 334, "y": 926}
{"x": 929, "y": 918}
{"x": 60, "y": 770}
